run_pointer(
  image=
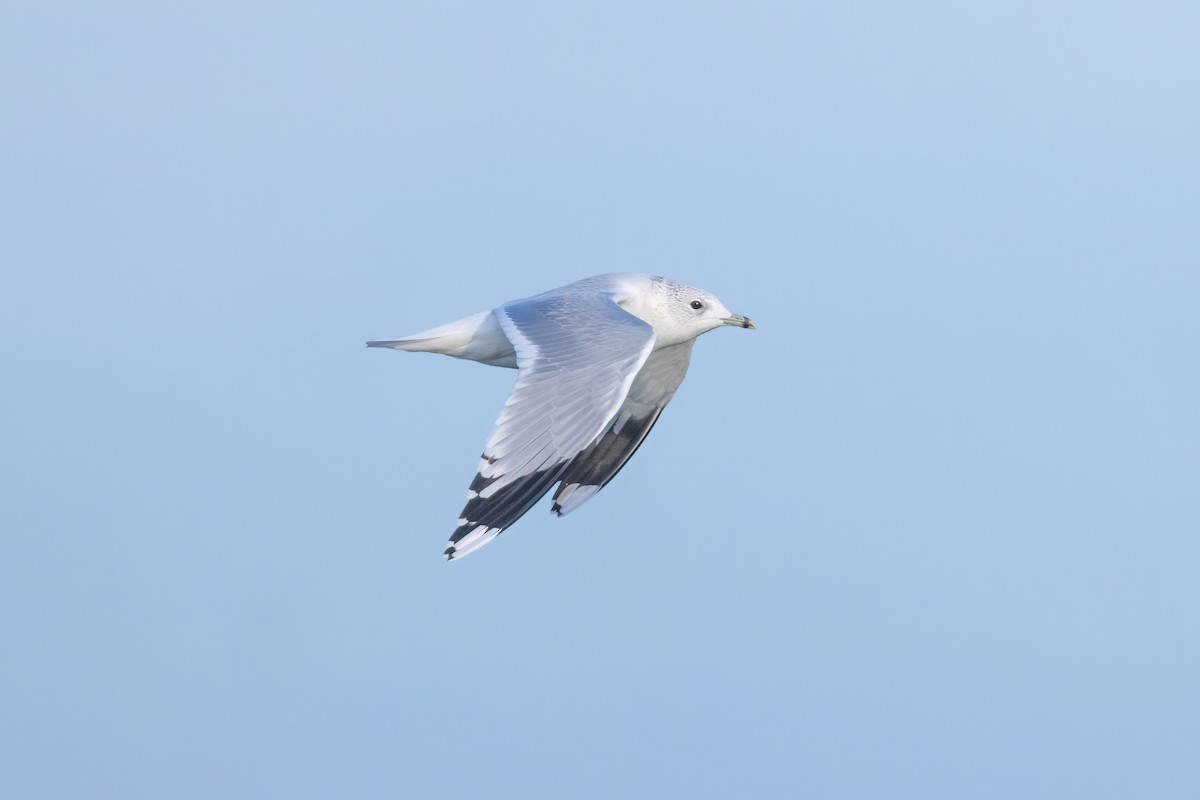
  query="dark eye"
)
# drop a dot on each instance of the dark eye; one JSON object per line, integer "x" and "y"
{"x": 696, "y": 304}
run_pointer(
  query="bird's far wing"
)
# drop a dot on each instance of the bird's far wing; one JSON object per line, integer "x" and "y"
{"x": 577, "y": 354}
{"x": 652, "y": 389}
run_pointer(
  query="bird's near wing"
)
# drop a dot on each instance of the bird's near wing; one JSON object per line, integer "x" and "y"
{"x": 577, "y": 355}
{"x": 600, "y": 462}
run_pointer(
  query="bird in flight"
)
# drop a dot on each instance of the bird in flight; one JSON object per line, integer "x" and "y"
{"x": 597, "y": 361}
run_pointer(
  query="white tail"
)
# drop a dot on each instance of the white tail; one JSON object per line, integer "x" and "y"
{"x": 476, "y": 338}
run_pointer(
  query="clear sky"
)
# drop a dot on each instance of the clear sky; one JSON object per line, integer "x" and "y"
{"x": 930, "y": 532}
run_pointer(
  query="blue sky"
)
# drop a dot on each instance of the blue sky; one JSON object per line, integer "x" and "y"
{"x": 931, "y": 531}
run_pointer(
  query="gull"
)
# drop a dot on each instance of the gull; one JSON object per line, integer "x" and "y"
{"x": 597, "y": 361}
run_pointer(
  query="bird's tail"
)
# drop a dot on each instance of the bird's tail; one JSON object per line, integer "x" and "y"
{"x": 450, "y": 339}
{"x": 475, "y": 338}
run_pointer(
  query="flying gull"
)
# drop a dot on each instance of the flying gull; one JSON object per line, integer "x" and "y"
{"x": 597, "y": 361}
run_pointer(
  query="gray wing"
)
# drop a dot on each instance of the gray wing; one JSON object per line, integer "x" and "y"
{"x": 652, "y": 389}
{"x": 577, "y": 355}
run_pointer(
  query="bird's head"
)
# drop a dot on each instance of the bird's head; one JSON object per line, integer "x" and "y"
{"x": 683, "y": 312}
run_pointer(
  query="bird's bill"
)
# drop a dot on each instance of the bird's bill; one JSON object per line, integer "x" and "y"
{"x": 738, "y": 321}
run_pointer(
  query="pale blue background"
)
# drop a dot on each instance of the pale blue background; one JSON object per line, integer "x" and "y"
{"x": 931, "y": 532}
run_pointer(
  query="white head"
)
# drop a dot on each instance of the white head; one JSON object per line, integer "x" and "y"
{"x": 681, "y": 312}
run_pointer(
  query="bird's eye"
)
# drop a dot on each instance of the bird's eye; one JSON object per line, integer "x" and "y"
{"x": 696, "y": 304}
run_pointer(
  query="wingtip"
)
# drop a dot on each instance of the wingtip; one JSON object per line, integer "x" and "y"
{"x": 469, "y": 537}
{"x": 572, "y": 496}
